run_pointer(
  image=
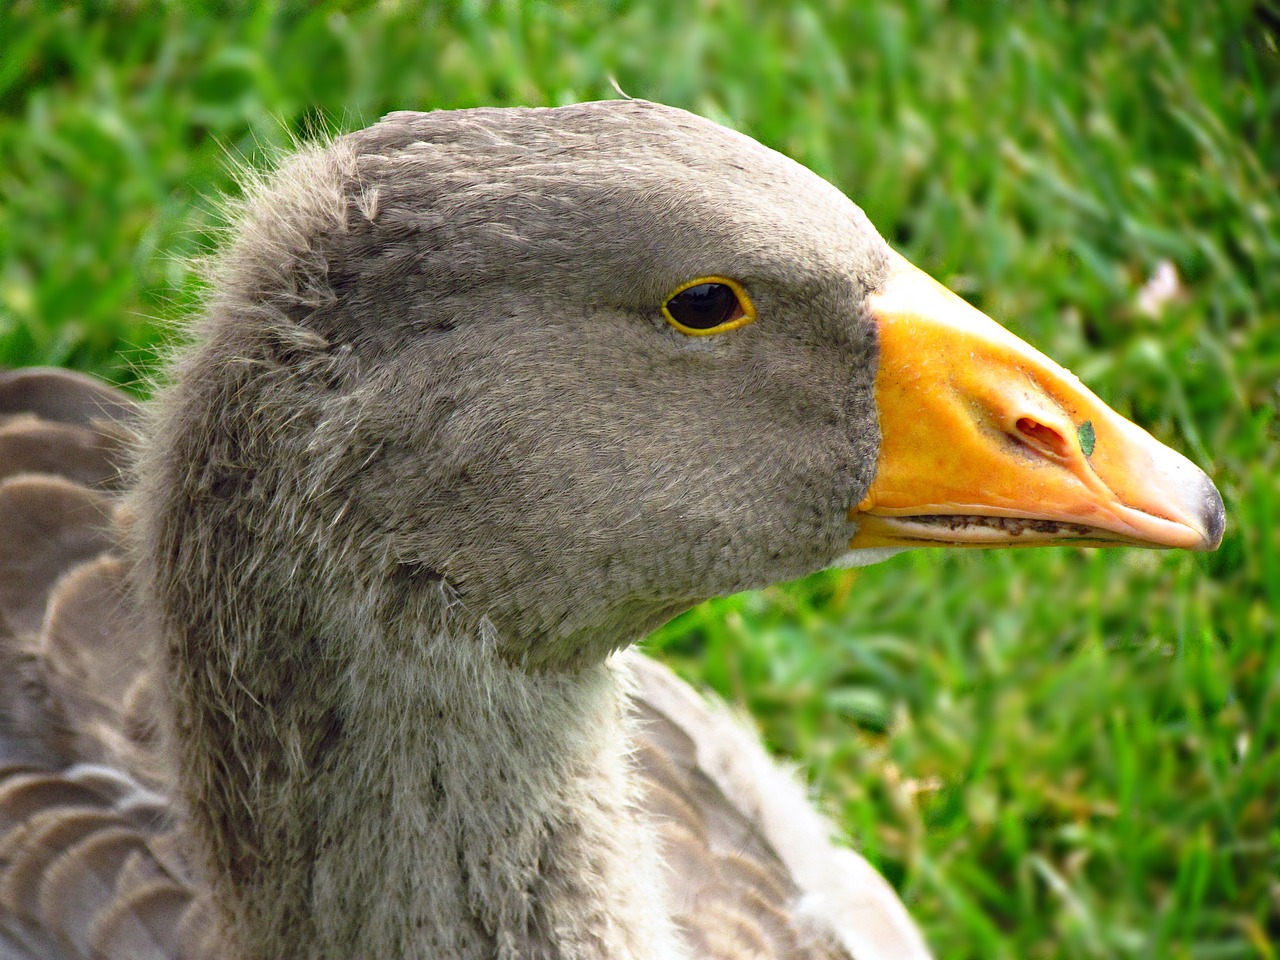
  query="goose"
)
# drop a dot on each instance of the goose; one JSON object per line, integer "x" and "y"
{"x": 340, "y": 662}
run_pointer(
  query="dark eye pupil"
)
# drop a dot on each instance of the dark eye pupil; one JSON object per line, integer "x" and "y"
{"x": 705, "y": 306}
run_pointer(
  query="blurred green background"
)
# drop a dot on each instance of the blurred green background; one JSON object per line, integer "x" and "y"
{"x": 1055, "y": 753}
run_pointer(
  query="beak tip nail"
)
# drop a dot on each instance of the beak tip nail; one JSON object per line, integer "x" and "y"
{"x": 1213, "y": 516}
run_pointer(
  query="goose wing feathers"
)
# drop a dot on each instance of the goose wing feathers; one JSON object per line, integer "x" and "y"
{"x": 91, "y": 860}
{"x": 91, "y": 851}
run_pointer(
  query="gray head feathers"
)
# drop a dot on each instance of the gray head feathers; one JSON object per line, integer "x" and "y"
{"x": 436, "y": 364}
{"x": 432, "y": 456}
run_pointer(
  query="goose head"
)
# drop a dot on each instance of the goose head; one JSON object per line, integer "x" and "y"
{"x": 502, "y": 390}
{"x": 580, "y": 368}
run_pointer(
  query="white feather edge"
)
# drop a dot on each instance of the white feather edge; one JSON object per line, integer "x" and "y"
{"x": 843, "y": 895}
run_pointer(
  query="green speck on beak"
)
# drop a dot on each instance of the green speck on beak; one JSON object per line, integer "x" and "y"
{"x": 1087, "y": 438}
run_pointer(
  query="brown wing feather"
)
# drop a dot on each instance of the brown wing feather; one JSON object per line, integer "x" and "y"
{"x": 48, "y": 525}
{"x": 63, "y": 396}
{"x": 90, "y": 860}
{"x": 86, "y": 870}
{"x": 87, "y": 455}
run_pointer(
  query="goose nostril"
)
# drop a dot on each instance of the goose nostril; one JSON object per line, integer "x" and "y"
{"x": 1043, "y": 438}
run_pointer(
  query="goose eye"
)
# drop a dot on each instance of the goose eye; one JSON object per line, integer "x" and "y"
{"x": 708, "y": 305}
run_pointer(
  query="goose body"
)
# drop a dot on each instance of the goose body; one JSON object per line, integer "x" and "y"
{"x": 342, "y": 669}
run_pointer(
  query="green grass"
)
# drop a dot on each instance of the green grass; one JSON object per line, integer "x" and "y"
{"x": 1053, "y": 753}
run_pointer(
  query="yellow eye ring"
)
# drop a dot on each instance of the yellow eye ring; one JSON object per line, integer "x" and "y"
{"x": 708, "y": 305}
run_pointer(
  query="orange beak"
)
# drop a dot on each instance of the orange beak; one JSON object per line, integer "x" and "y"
{"x": 988, "y": 443}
